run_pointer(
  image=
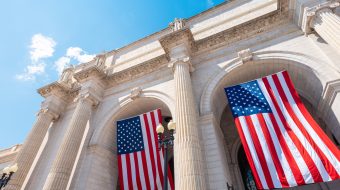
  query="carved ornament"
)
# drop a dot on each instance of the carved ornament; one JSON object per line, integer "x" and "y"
{"x": 183, "y": 60}
{"x": 245, "y": 55}
{"x": 135, "y": 93}
{"x": 177, "y": 24}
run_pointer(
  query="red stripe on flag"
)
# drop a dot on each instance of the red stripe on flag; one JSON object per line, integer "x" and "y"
{"x": 150, "y": 150}
{"x": 247, "y": 152}
{"x": 272, "y": 151}
{"x": 138, "y": 177}
{"x": 145, "y": 168}
{"x": 259, "y": 150}
{"x": 128, "y": 170}
{"x": 159, "y": 165}
{"x": 310, "y": 119}
{"x": 120, "y": 172}
{"x": 296, "y": 120}
{"x": 289, "y": 156}
{"x": 308, "y": 160}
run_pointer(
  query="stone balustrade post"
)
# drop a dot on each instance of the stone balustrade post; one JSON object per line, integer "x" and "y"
{"x": 189, "y": 172}
{"x": 325, "y": 22}
{"x": 62, "y": 166}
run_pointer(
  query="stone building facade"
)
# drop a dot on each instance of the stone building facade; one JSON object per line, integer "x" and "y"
{"x": 182, "y": 70}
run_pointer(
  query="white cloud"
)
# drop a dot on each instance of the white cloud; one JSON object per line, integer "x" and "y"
{"x": 61, "y": 63}
{"x": 41, "y": 47}
{"x": 31, "y": 71}
{"x": 72, "y": 54}
{"x": 79, "y": 54}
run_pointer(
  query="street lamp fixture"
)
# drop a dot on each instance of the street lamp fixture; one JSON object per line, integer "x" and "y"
{"x": 166, "y": 140}
{"x": 7, "y": 173}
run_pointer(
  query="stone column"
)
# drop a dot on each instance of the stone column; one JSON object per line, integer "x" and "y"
{"x": 189, "y": 172}
{"x": 62, "y": 166}
{"x": 325, "y": 22}
{"x": 30, "y": 148}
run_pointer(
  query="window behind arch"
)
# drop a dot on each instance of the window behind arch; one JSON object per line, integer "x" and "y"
{"x": 247, "y": 175}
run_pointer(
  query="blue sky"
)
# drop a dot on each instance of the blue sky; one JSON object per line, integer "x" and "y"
{"x": 38, "y": 37}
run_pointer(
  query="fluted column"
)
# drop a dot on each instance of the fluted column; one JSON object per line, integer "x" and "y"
{"x": 63, "y": 164}
{"x": 325, "y": 22}
{"x": 189, "y": 173}
{"x": 327, "y": 25}
{"x": 30, "y": 148}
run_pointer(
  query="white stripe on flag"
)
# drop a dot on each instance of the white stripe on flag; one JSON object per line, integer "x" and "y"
{"x": 133, "y": 174}
{"x": 316, "y": 138}
{"x": 266, "y": 152}
{"x": 253, "y": 151}
{"x": 158, "y": 181}
{"x": 307, "y": 146}
{"x": 125, "y": 175}
{"x": 282, "y": 157}
{"x": 292, "y": 148}
{"x": 147, "y": 153}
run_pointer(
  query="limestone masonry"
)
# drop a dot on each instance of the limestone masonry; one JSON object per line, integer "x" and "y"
{"x": 183, "y": 69}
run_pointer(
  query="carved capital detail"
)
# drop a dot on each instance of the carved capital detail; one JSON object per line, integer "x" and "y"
{"x": 52, "y": 113}
{"x": 183, "y": 60}
{"x": 59, "y": 89}
{"x": 88, "y": 97}
{"x": 310, "y": 13}
{"x": 135, "y": 93}
{"x": 245, "y": 55}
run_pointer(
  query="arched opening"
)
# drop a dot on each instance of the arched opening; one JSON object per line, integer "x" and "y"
{"x": 307, "y": 83}
{"x": 243, "y": 174}
{"x": 134, "y": 108}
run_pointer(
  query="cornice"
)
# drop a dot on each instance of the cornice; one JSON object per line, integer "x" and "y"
{"x": 58, "y": 89}
{"x": 245, "y": 30}
{"x": 181, "y": 36}
{"x": 136, "y": 71}
{"x": 89, "y": 71}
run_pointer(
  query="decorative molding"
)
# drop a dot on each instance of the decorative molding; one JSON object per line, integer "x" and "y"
{"x": 94, "y": 99}
{"x": 245, "y": 55}
{"x": 65, "y": 92}
{"x": 135, "y": 93}
{"x": 48, "y": 111}
{"x": 182, "y": 36}
{"x": 177, "y": 24}
{"x": 331, "y": 90}
{"x": 114, "y": 78}
{"x": 246, "y": 30}
{"x": 89, "y": 71}
{"x": 185, "y": 60}
{"x": 311, "y": 12}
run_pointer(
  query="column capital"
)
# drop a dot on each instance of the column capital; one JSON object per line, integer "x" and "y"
{"x": 50, "y": 112}
{"x": 183, "y": 60}
{"x": 311, "y": 12}
{"x": 92, "y": 98}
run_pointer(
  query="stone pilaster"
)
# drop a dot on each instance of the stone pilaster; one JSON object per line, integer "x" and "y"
{"x": 90, "y": 78}
{"x": 27, "y": 154}
{"x": 325, "y": 22}
{"x": 63, "y": 164}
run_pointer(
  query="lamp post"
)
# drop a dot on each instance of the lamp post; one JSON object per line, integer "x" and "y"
{"x": 7, "y": 173}
{"x": 166, "y": 140}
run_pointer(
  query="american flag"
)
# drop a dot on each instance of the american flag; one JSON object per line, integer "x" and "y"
{"x": 140, "y": 162}
{"x": 284, "y": 146}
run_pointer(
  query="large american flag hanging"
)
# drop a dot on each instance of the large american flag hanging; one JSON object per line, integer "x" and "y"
{"x": 140, "y": 162}
{"x": 285, "y": 147}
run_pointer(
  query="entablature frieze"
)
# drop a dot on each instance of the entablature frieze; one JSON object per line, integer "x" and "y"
{"x": 181, "y": 34}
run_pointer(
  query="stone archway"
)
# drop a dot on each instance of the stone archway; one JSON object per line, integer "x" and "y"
{"x": 101, "y": 154}
{"x": 309, "y": 80}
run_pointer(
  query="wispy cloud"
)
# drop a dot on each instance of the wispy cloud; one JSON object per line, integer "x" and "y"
{"x": 41, "y": 47}
{"x": 210, "y": 3}
{"x": 73, "y": 54}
